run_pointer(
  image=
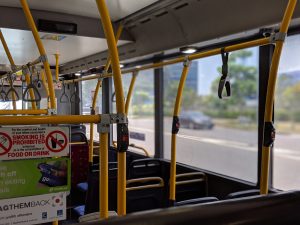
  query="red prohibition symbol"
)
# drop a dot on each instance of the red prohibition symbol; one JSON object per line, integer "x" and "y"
{"x": 56, "y": 141}
{"x": 5, "y": 143}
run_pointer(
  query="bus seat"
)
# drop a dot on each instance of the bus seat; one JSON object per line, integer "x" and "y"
{"x": 79, "y": 158}
{"x": 79, "y": 210}
{"x": 92, "y": 196}
{"x": 83, "y": 187}
{"x": 144, "y": 194}
{"x": 191, "y": 185}
{"x": 145, "y": 168}
{"x": 242, "y": 194}
{"x": 197, "y": 201}
{"x": 274, "y": 209}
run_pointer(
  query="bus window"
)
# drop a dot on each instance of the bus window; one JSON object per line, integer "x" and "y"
{"x": 219, "y": 135}
{"x": 88, "y": 90}
{"x": 287, "y": 118}
{"x": 141, "y": 110}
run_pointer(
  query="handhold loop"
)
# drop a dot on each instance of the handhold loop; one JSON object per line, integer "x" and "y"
{"x": 2, "y": 92}
{"x": 12, "y": 90}
{"x": 64, "y": 98}
{"x": 224, "y": 80}
{"x": 75, "y": 96}
{"x": 26, "y": 94}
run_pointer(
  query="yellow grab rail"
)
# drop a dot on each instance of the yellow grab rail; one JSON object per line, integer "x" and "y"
{"x": 130, "y": 91}
{"x": 113, "y": 52}
{"x": 24, "y": 112}
{"x": 99, "y": 84}
{"x": 103, "y": 167}
{"x": 12, "y": 63}
{"x": 57, "y": 119}
{"x": 56, "y": 67}
{"x": 140, "y": 148}
{"x": 31, "y": 92}
{"x": 185, "y": 70}
{"x": 264, "y": 178}
{"x": 45, "y": 86}
{"x": 42, "y": 51}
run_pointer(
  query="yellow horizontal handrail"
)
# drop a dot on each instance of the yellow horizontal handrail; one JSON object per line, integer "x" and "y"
{"x": 143, "y": 180}
{"x": 55, "y": 119}
{"x": 23, "y": 112}
{"x": 140, "y": 148}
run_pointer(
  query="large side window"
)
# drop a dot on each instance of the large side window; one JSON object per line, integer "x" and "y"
{"x": 217, "y": 135}
{"x": 141, "y": 111}
{"x": 287, "y": 118}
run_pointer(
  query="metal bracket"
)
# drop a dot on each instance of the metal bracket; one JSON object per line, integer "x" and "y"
{"x": 44, "y": 58}
{"x": 107, "y": 119}
{"x": 52, "y": 112}
{"x": 25, "y": 70}
{"x": 186, "y": 61}
{"x": 93, "y": 112}
{"x": 279, "y": 36}
{"x": 104, "y": 125}
{"x": 14, "y": 68}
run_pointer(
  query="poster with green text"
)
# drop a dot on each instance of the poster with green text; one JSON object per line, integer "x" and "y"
{"x": 34, "y": 177}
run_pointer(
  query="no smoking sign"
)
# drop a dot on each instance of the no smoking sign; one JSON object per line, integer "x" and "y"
{"x": 33, "y": 142}
{"x": 5, "y": 143}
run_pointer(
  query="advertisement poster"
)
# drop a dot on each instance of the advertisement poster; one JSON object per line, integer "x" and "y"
{"x": 34, "y": 177}
{"x": 33, "y": 142}
{"x": 33, "y": 209}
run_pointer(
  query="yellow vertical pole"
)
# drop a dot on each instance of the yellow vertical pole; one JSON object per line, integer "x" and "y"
{"x": 130, "y": 91}
{"x": 31, "y": 92}
{"x": 113, "y": 51}
{"x": 12, "y": 63}
{"x": 264, "y": 179}
{"x": 42, "y": 51}
{"x": 99, "y": 84}
{"x": 103, "y": 169}
{"x": 56, "y": 67}
{"x": 91, "y": 146}
{"x": 45, "y": 86}
{"x": 175, "y": 128}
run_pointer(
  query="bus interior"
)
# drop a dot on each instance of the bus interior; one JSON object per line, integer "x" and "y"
{"x": 164, "y": 111}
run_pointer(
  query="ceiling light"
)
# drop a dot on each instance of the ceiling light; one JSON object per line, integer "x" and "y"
{"x": 78, "y": 74}
{"x": 122, "y": 65}
{"x": 138, "y": 66}
{"x": 188, "y": 49}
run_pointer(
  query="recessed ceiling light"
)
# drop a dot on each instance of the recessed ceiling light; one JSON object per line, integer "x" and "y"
{"x": 78, "y": 74}
{"x": 188, "y": 50}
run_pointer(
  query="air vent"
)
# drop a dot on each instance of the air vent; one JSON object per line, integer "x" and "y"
{"x": 131, "y": 27}
{"x": 132, "y": 51}
{"x": 161, "y": 14}
{"x": 145, "y": 21}
{"x": 181, "y": 6}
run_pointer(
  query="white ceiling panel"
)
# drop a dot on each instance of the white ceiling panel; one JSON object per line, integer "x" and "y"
{"x": 24, "y": 50}
{"x": 118, "y": 8}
